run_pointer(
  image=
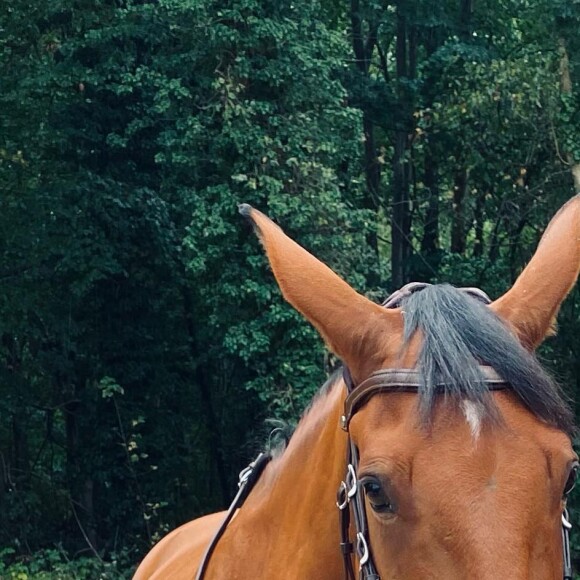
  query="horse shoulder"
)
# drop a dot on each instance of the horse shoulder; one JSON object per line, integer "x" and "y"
{"x": 177, "y": 555}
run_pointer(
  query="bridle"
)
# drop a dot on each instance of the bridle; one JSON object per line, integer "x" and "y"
{"x": 351, "y": 495}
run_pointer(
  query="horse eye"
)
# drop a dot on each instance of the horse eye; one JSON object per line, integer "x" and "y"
{"x": 377, "y": 497}
{"x": 571, "y": 481}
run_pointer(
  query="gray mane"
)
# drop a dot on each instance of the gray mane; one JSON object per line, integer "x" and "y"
{"x": 460, "y": 333}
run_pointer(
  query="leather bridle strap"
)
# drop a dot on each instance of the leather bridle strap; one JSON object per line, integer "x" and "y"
{"x": 346, "y": 546}
{"x": 400, "y": 381}
{"x": 367, "y": 569}
{"x": 566, "y": 526}
{"x": 349, "y": 492}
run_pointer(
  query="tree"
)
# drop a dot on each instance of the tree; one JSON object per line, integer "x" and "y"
{"x": 139, "y": 334}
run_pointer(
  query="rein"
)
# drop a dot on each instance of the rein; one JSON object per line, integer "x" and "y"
{"x": 247, "y": 479}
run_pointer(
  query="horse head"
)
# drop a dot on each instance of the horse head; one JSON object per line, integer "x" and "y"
{"x": 457, "y": 479}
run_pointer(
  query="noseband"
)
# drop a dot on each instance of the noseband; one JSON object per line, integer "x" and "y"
{"x": 351, "y": 495}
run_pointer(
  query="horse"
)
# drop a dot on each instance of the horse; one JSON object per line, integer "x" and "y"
{"x": 448, "y": 443}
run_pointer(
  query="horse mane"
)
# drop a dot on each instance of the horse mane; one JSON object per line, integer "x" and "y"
{"x": 459, "y": 333}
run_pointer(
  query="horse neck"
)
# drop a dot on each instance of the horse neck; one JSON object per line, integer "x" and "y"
{"x": 289, "y": 524}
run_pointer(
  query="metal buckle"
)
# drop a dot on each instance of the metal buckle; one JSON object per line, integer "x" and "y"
{"x": 245, "y": 474}
{"x": 567, "y": 557}
{"x": 351, "y": 482}
{"x": 565, "y": 521}
{"x": 347, "y": 489}
{"x": 362, "y": 549}
{"x": 341, "y": 496}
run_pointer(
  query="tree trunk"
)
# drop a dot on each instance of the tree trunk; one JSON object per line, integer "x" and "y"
{"x": 363, "y": 49}
{"x": 399, "y": 225}
{"x": 458, "y": 229}
{"x": 465, "y": 18}
{"x": 87, "y": 496}
{"x": 400, "y": 214}
{"x": 70, "y": 410}
{"x": 479, "y": 222}
{"x": 566, "y": 87}
{"x": 372, "y": 167}
{"x": 81, "y": 490}
{"x": 21, "y": 461}
{"x": 208, "y": 411}
{"x": 430, "y": 241}
{"x": 458, "y": 219}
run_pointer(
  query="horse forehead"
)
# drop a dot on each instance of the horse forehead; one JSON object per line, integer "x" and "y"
{"x": 389, "y": 426}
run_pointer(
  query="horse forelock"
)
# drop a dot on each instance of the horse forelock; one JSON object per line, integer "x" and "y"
{"x": 458, "y": 334}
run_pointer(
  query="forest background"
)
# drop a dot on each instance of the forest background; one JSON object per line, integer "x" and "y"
{"x": 143, "y": 343}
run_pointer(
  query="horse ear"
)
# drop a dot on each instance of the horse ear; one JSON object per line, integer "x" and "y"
{"x": 359, "y": 331}
{"x": 531, "y": 305}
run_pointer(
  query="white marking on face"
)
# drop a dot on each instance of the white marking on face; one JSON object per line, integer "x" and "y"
{"x": 473, "y": 413}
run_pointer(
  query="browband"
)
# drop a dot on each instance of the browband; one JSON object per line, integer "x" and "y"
{"x": 400, "y": 381}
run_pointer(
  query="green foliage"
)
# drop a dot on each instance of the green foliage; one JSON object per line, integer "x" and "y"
{"x": 139, "y": 327}
{"x": 142, "y": 340}
{"x": 54, "y": 564}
